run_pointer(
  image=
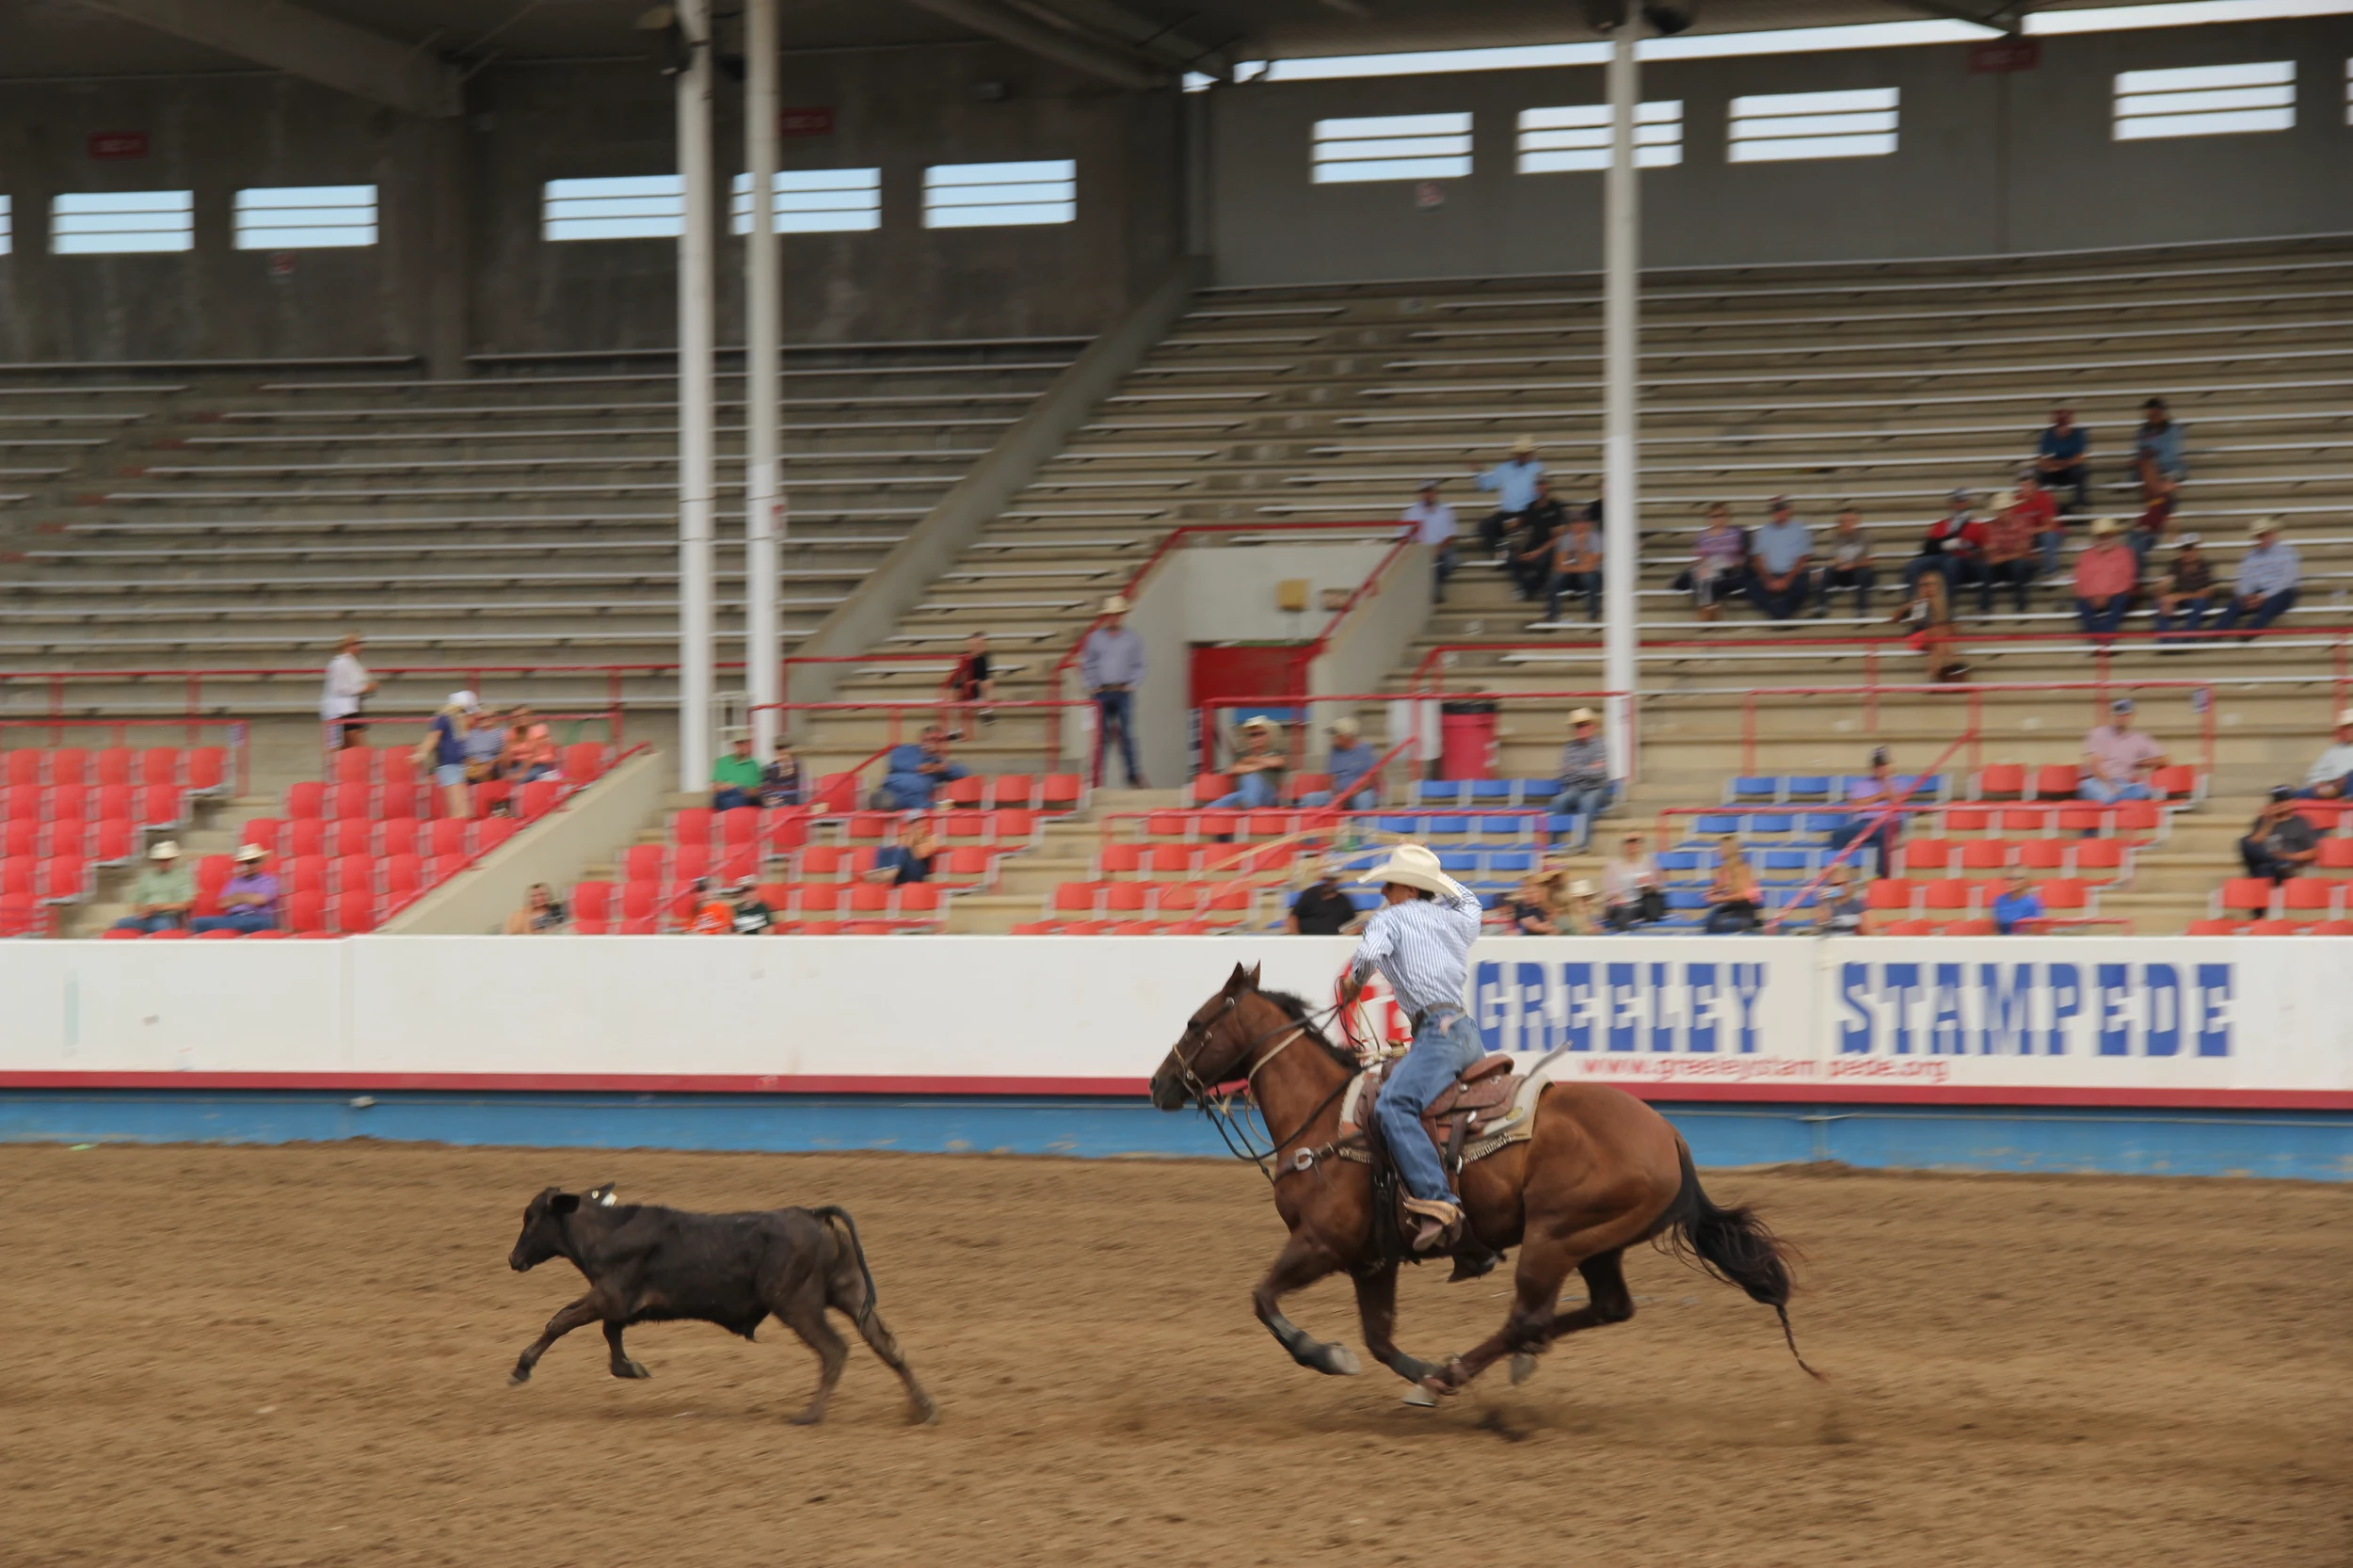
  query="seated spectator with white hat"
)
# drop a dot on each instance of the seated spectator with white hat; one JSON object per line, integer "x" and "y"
{"x": 2268, "y": 575}
{"x": 248, "y": 900}
{"x": 1583, "y": 780}
{"x": 1257, "y": 769}
{"x": 2330, "y": 776}
{"x": 1350, "y": 761}
{"x": 2106, "y": 576}
{"x": 162, "y": 894}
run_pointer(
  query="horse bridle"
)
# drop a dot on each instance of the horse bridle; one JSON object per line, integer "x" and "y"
{"x": 1219, "y": 1114}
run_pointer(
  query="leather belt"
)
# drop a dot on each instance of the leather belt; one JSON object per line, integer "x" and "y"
{"x": 1427, "y": 1014}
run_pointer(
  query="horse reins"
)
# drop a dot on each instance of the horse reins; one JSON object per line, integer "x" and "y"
{"x": 1220, "y": 1117}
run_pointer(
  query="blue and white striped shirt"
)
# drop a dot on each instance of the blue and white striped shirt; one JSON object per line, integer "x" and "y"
{"x": 2269, "y": 570}
{"x": 1422, "y": 949}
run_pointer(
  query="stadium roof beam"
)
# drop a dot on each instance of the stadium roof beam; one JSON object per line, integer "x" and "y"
{"x": 2011, "y": 17}
{"x": 1065, "y": 44}
{"x": 304, "y": 43}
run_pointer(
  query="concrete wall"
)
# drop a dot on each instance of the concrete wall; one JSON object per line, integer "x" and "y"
{"x": 1987, "y": 164}
{"x": 461, "y": 267}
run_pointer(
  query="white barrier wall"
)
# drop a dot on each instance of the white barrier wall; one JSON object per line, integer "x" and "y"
{"x": 2067, "y": 1021}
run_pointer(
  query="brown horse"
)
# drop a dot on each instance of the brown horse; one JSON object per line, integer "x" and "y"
{"x": 1601, "y": 1172}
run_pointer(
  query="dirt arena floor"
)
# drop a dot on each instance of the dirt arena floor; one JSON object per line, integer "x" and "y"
{"x": 300, "y": 1355}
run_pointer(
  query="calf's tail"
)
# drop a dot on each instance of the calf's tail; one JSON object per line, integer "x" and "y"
{"x": 837, "y": 1220}
{"x": 1734, "y": 1246}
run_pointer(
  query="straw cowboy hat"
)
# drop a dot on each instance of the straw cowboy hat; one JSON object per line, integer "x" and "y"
{"x": 250, "y": 851}
{"x": 1259, "y": 721}
{"x": 2261, "y": 526}
{"x": 166, "y": 850}
{"x": 1344, "y": 725}
{"x": 1523, "y": 446}
{"x": 1584, "y": 715}
{"x": 1415, "y": 867}
{"x": 1115, "y": 606}
{"x": 2103, "y": 527}
{"x": 1580, "y": 888}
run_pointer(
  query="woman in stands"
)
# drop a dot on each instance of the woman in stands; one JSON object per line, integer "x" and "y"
{"x": 1928, "y": 619}
{"x": 1630, "y": 892}
{"x": 444, "y": 750}
{"x": 1529, "y": 911}
{"x": 1734, "y": 896}
{"x": 530, "y": 753}
{"x": 1717, "y": 555}
{"x": 539, "y": 916}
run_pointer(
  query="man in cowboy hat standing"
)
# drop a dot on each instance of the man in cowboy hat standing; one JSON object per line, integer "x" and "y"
{"x": 1110, "y": 667}
{"x": 1421, "y": 941}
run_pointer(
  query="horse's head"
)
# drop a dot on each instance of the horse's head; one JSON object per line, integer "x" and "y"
{"x": 1212, "y": 1049}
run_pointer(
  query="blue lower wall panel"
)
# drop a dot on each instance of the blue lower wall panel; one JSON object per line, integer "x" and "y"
{"x": 2313, "y": 1146}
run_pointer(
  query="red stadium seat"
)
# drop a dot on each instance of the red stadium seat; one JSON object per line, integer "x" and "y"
{"x": 971, "y": 826}
{"x": 493, "y": 831}
{"x": 965, "y": 866}
{"x": 917, "y": 901}
{"x": 784, "y": 828}
{"x": 1968, "y": 819}
{"x": 739, "y": 863}
{"x": 1985, "y": 855}
{"x": 1182, "y": 897}
{"x": 2250, "y": 894}
{"x": 640, "y": 901}
{"x": 491, "y": 794}
{"x": 2065, "y": 896}
{"x": 306, "y": 800}
{"x": 2211, "y": 928}
{"x": 1058, "y": 794}
{"x": 2178, "y": 782}
{"x": 2310, "y": 898}
{"x": 866, "y": 898}
{"x": 1119, "y": 861}
{"x": 354, "y": 765}
{"x": 2275, "y": 928}
{"x": 219, "y": 936}
{"x": 537, "y": 799}
{"x": 1126, "y": 898}
{"x": 2055, "y": 781}
{"x": 18, "y": 874}
{"x": 1889, "y": 894}
{"x": 1945, "y": 898}
{"x": 2099, "y": 859}
{"x": 1017, "y": 790}
{"x": 17, "y": 835}
{"x": 68, "y": 803}
{"x": 2044, "y": 855}
{"x": 306, "y": 913}
{"x": 109, "y": 934}
{"x": 160, "y": 765}
{"x": 1173, "y": 860}
{"x": 400, "y": 836}
{"x": 1977, "y": 927}
{"x": 739, "y": 829}
{"x": 305, "y": 836}
{"x": 2001, "y": 781}
{"x": 70, "y": 838}
{"x": 1075, "y": 898}
{"x": 306, "y": 874}
{"x": 205, "y": 768}
{"x": 113, "y": 765}
{"x": 823, "y": 862}
{"x": 689, "y": 861}
{"x": 449, "y": 834}
{"x": 397, "y": 767}
{"x": 2333, "y": 928}
{"x": 583, "y": 763}
{"x": 2336, "y": 855}
{"x": 114, "y": 840}
{"x": 211, "y": 874}
{"x": 158, "y": 806}
{"x": 68, "y": 765}
{"x": 440, "y": 868}
{"x": 25, "y": 769}
{"x": 353, "y": 873}
{"x": 1210, "y": 786}
{"x": 110, "y": 800}
{"x": 819, "y": 899}
{"x": 2137, "y": 821}
{"x": 63, "y": 877}
{"x": 351, "y": 835}
{"x": 355, "y": 913}
{"x": 692, "y": 824}
{"x": 406, "y": 800}
{"x": 1013, "y": 828}
{"x": 967, "y": 791}
{"x": 1909, "y": 928}
{"x": 403, "y": 874}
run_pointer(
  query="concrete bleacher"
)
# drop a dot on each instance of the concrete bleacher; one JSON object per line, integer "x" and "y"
{"x": 210, "y": 517}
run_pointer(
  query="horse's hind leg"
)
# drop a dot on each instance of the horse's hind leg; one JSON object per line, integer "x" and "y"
{"x": 807, "y": 1317}
{"x": 1607, "y": 1301}
{"x": 1534, "y": 1319}
{"x": 1301, "y": 1263}
{"x": 1376, "y": 1304}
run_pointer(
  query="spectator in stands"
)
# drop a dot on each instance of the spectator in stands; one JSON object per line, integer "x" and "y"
{"x": 1512, "y": 482}
{"x": 2185, "y": 591}
{"x": 1431, "y": 521}
{"x": 1631, "y": 894}
{"x": 1867, "y": 796}
{"x": 2062, "y": 458}
{"x": 781, "y": 781}
{"x": 540, "y": 915}
{"x": 1735, "y": 895}
{"x": 1928, "y": 619}
{"x": 2330, "y": 776}
{"x": 1573, "y": 911}
{"x": 1782, "y": 549}
{"x": 708, "y": 910}
{"x": 2280, "y": 843}
{"x": 1258, "y": 768}
{"x": 908, "y": 858}
{"x": 972, "y": 683}
{"x": 161, "y": 894}
{"x": 1111, "y": 667}
{"x": 530, "y": 752}
{"x": 248, "y": 900}
{"x": 348, "y": 686}
{"x": 1952, "y": 548}
{"x": 2040, "y": 509}
{"x": 1847, "y": 565}
{"x": 485, "y": 743}
{"x": 1719, "y": 557}
{"x": 1350, "y": 760}
{"x": 2105, "y": 577}
{"x": 735, "y": 777}
{"x": 1582, "y": 786}
{"x": 1321, "y": 909}
{"x": 2007, "y": 553}
{"x": 1576, "y": 568}
{"x": 1532, "y": 544}
{"x": 2118, "y": 758}
{"x": 2157, "y": 454}
{"x": 749, "y": 914}
{"x": 912, "y": 773}
{"x": 1529, "y": 911}
{"x": 443, "y": 748}
{"x": 2018, "y": 909}
{"x": 2268, "y": 581}
{"x": 1839, "y": 906}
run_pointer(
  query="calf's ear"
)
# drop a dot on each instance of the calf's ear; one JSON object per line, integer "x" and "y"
{"x": 563, "y": 1202}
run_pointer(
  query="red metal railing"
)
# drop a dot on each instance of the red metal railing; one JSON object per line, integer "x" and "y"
{"x": 1295, "y": 736}
{"x": 1975, "y": 694}
{"x": 897, "y": 714}
{"x": 1880, "y": 818}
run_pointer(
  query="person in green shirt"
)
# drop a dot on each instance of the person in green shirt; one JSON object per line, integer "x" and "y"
{"x": 735, "y": 777}
{"x": 161, "y": 894}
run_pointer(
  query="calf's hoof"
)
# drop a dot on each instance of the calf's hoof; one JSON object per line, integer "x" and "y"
{"x": 805, "y": 1419}
{"x": 922, "y": 1411}
{"x": 631, "y": 1369}
{"x": 519, "y": 1376}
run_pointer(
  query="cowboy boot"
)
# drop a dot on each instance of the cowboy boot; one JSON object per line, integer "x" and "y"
{"x": 1441, "y": 1225}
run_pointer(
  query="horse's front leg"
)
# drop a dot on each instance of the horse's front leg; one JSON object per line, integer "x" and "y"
{"x": 1376, "y": 1303}
{"x": 1302, "y": 1262}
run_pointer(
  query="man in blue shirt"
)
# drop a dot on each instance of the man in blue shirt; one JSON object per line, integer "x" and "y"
{"x": 2018, "y": 905}
{"x": 1777, "y": 567}
{"x": 1431, "y": 521}
{"x": 2059, "y": 459}
{"x": 1514, "y": 482}
{"x": 1110, "y": 667}
{"x": 913, "y": 772}
{"x": 2157, "y": 454}
{"x": 1350, "y": 760}
{"x": 2267, "y": 577}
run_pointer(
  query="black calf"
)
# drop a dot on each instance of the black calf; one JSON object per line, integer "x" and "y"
{"x": 646, "y": 1264}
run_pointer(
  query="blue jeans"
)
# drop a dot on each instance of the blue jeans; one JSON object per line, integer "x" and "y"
{"x": 2052, "y": 540}
{"x": 2260, "y": 617}
{"x": 1253, "y": 791}
{"x": 2100, "y": 622}
{"x": 899, "y": 792}
{"x": 1444, "y": 1045}
{"x": 1584, "y": 802}
{"x": 1879, "y": 842}
{"x": 730, "y": 797}
{"x": 2187, "y": 616}
{"x": 1586, "y": 582}
{"x": 1441, "y": 568}
{"x": 1363, "y": 800}
{"x": 1115, "y": 713}
{"x": 237, "y": 920}
{"x": 2107, "y": 792}
{"x": 148, "y": 924}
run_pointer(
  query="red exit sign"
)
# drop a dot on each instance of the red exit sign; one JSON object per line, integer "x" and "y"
{"x": 1996, "y": 57}
{"x": 805, "y": 122}
{"x": 118, "y": 144}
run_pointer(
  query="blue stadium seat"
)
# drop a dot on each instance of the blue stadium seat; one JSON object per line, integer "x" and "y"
{"x": 1752, "y": 790}
{"x": 1557, "y": 826}
{"x": 1455, "y": 826}
{"x": 1459, "y": 863}
{"x": 1495, "y": 792}
{"x": 1687, "y": 897}
{"x": 1761, "y": 823}
{"x": 1687, "y": 860}
{"x": 1715, "y": 827}
{"x": 1446, "y": 790}
{"x": 1806, "y": 786}
{"x": 1510, "y": 862}
{"x": 1406, "y": 826}
{"x": 1801, "y": 861}
{"x": 1823, "y": 822}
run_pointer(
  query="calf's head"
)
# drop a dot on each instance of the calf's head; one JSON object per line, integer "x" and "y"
{"x": 544, "y": 1222}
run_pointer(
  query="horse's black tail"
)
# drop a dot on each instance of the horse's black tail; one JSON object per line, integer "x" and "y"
{"x": 846, "y": 1228}
{"x": 1733, "y": 1245}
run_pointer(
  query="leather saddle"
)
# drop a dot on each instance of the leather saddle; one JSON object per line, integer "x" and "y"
{"x": 1460, "y": 1123}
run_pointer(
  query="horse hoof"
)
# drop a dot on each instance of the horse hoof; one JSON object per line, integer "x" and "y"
{"x": 1338, "y": 1361}
{"x": 516, "y": 1380}
{"x": 1437, "y": 1383}
{"x": 632, "y": 1369}
{"x": 1523, "y": 1368}
{"x": 923, "y": 1413}
{"x": 1421, "y": 1398}
{"x": 805, "y": 1419}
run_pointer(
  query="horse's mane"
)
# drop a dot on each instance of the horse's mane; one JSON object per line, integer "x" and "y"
{"x": 1296, "y": 1007}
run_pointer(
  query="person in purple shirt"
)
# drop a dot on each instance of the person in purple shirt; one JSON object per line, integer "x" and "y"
{"x": 248, "y": 901}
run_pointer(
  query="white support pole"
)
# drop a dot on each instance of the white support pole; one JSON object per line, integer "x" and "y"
{"x": 1622, "y": 531}
{"x": 695, "y": 750}
{"x": 763, "y": 496}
